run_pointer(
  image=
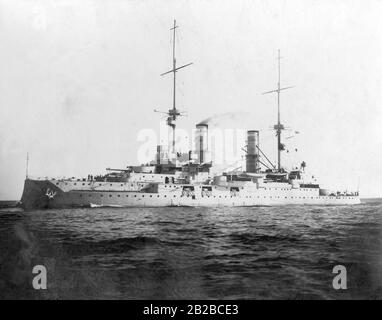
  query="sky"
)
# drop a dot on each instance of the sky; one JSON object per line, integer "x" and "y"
{"x": 79, "y": 81}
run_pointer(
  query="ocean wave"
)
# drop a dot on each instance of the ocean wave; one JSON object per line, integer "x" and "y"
{"x": 119, "y": 245}
{"x": 254, "y": 238}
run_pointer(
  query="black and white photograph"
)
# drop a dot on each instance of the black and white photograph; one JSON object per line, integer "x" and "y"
{"x": 175, "y": 150}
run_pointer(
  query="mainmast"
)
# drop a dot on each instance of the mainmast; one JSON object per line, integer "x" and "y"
{"x": 173, "y": 113}
{"x": 278, "y": 127}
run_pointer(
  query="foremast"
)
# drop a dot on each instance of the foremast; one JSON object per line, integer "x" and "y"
{"x": 173, "y": 113}
{"x": 279, "y": 127}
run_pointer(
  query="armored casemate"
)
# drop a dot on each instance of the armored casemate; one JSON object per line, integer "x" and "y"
{"x": 173, "y": 179}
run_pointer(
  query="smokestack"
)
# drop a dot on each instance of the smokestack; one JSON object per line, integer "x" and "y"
{"x": 202, "y": 142}
{"x": 162, "y": 155}
{"x": 252, "y": 157}
{"x": 159, "y": 154}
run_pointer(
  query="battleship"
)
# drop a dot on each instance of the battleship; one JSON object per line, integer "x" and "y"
{"x": 176, "y": 179}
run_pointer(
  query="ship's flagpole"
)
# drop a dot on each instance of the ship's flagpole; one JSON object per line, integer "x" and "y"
{"x": 278, "y": 127}
{"x": 27, "y": 165}
{"x": 359, "y": 184}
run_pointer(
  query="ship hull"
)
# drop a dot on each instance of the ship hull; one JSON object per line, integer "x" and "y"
{"x": 39, "y": 194}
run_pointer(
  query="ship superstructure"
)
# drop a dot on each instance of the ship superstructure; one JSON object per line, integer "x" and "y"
{"x": 175, "y": 179}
